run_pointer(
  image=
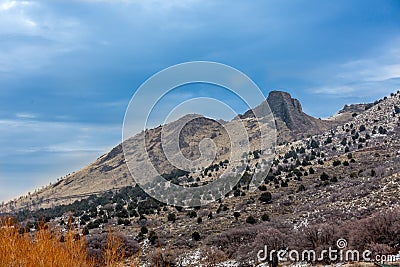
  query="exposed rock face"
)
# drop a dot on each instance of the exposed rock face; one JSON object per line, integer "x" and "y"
{"x": 291, "y": 121}
{"x": 287, "y": 109}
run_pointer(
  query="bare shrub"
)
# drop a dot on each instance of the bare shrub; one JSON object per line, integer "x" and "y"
{"x": 162, "y": 258}
{"x": 231, "y": 240}
{"x": 380, "y": 249}
{"x": 381, "y": 228}
{"x": 211, "y": 257}
{"x": 106, "y": 247}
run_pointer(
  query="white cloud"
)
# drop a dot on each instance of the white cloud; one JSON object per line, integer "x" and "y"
{"x": 31, "y": 35}
{"x": 36, "y": 152}
{"x": 25, "y": 115}
{"x": 7, "y": 5}
{"x": 362, "y": 77}
{"x": 151, "y": 3}
{"x": 26, "y": 134}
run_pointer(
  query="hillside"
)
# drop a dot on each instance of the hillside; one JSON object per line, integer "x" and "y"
{"x": 339, "y": 183}
{"x": 109, "y": 172}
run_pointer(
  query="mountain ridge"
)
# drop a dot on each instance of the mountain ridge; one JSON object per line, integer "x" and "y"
{"x": 109, "y": 171}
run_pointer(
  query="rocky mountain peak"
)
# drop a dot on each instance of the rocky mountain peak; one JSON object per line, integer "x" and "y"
{"x": 279, "y": 99}
{"x": 286, "y": 108}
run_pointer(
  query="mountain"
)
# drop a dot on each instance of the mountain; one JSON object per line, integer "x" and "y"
{"x": 340, "y": 183}
{"x": 109, "y": 172}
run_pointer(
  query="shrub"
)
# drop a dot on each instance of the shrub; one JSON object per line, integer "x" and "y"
{"x": 314, "y": 144}
{"x": 301, "y": 188}
{"x": 262, "y": 188}
{"x": 93, "y": 225}
{"x": 291, "y": 154}
{"x": 196, "y": 236}
{"x": 251, "y": 220}
{"x": 110, "y": 248}
{"x": 161, "y": 258}
{"x": 122, "y": 213}
{"x": 324, "y": 177}
{"x": 328, "y": 140}
{"x": 336, "y": 163}
{"x": 236, "y": 193}
{"x": 266, "y": 198}
{"x": 382, "y": 130}
{"x": 172, "y": 217}
{"x": 284, "y": 183}
{"x": 85, "y": 218}
{"x": 121, "y": 221}
{"x": 144, "y": 230}
{"x": 153, "y": 238}
{"x": 192, "y": 214}
{"x": 236, "y": 214}
{"x": 344, "y": 142}
{"x": 265, "y": 217}
{"x": 85, "y": 231}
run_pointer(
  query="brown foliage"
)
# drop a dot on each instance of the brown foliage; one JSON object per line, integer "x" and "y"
{"x": 40, "y": 249}
{"x": 47, "y": 247}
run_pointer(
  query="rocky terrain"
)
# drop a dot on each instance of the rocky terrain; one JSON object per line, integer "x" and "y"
{"x": 109, "y": 172}
{"x": 328, "y": 178}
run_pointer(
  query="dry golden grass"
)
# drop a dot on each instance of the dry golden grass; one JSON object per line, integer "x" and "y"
{"x": 114, "y": 252}
{"x": 40, "y": 249}
{"x": 44, "y": 248}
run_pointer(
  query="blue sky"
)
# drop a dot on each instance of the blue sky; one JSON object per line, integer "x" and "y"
{"x": 69, "y": 68}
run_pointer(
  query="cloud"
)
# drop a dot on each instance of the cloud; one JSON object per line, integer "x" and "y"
{"x": 32, "y": 35}
{"x": 25, "y": 115}
{"x": 35, "y": 152}
{"x": 373, "y": 75}
{"x": 151, "y": 4}
{"x": 7, "y": 5}
{"x": 28, "y": 135}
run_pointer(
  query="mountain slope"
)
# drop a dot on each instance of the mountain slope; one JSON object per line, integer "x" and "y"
{"x": 342, "y": 183}
{"x": 109, "y": 172}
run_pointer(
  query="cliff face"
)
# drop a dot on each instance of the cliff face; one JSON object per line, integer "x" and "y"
{"x": 291, "y": 122}
{"x": 287, "y": 109}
